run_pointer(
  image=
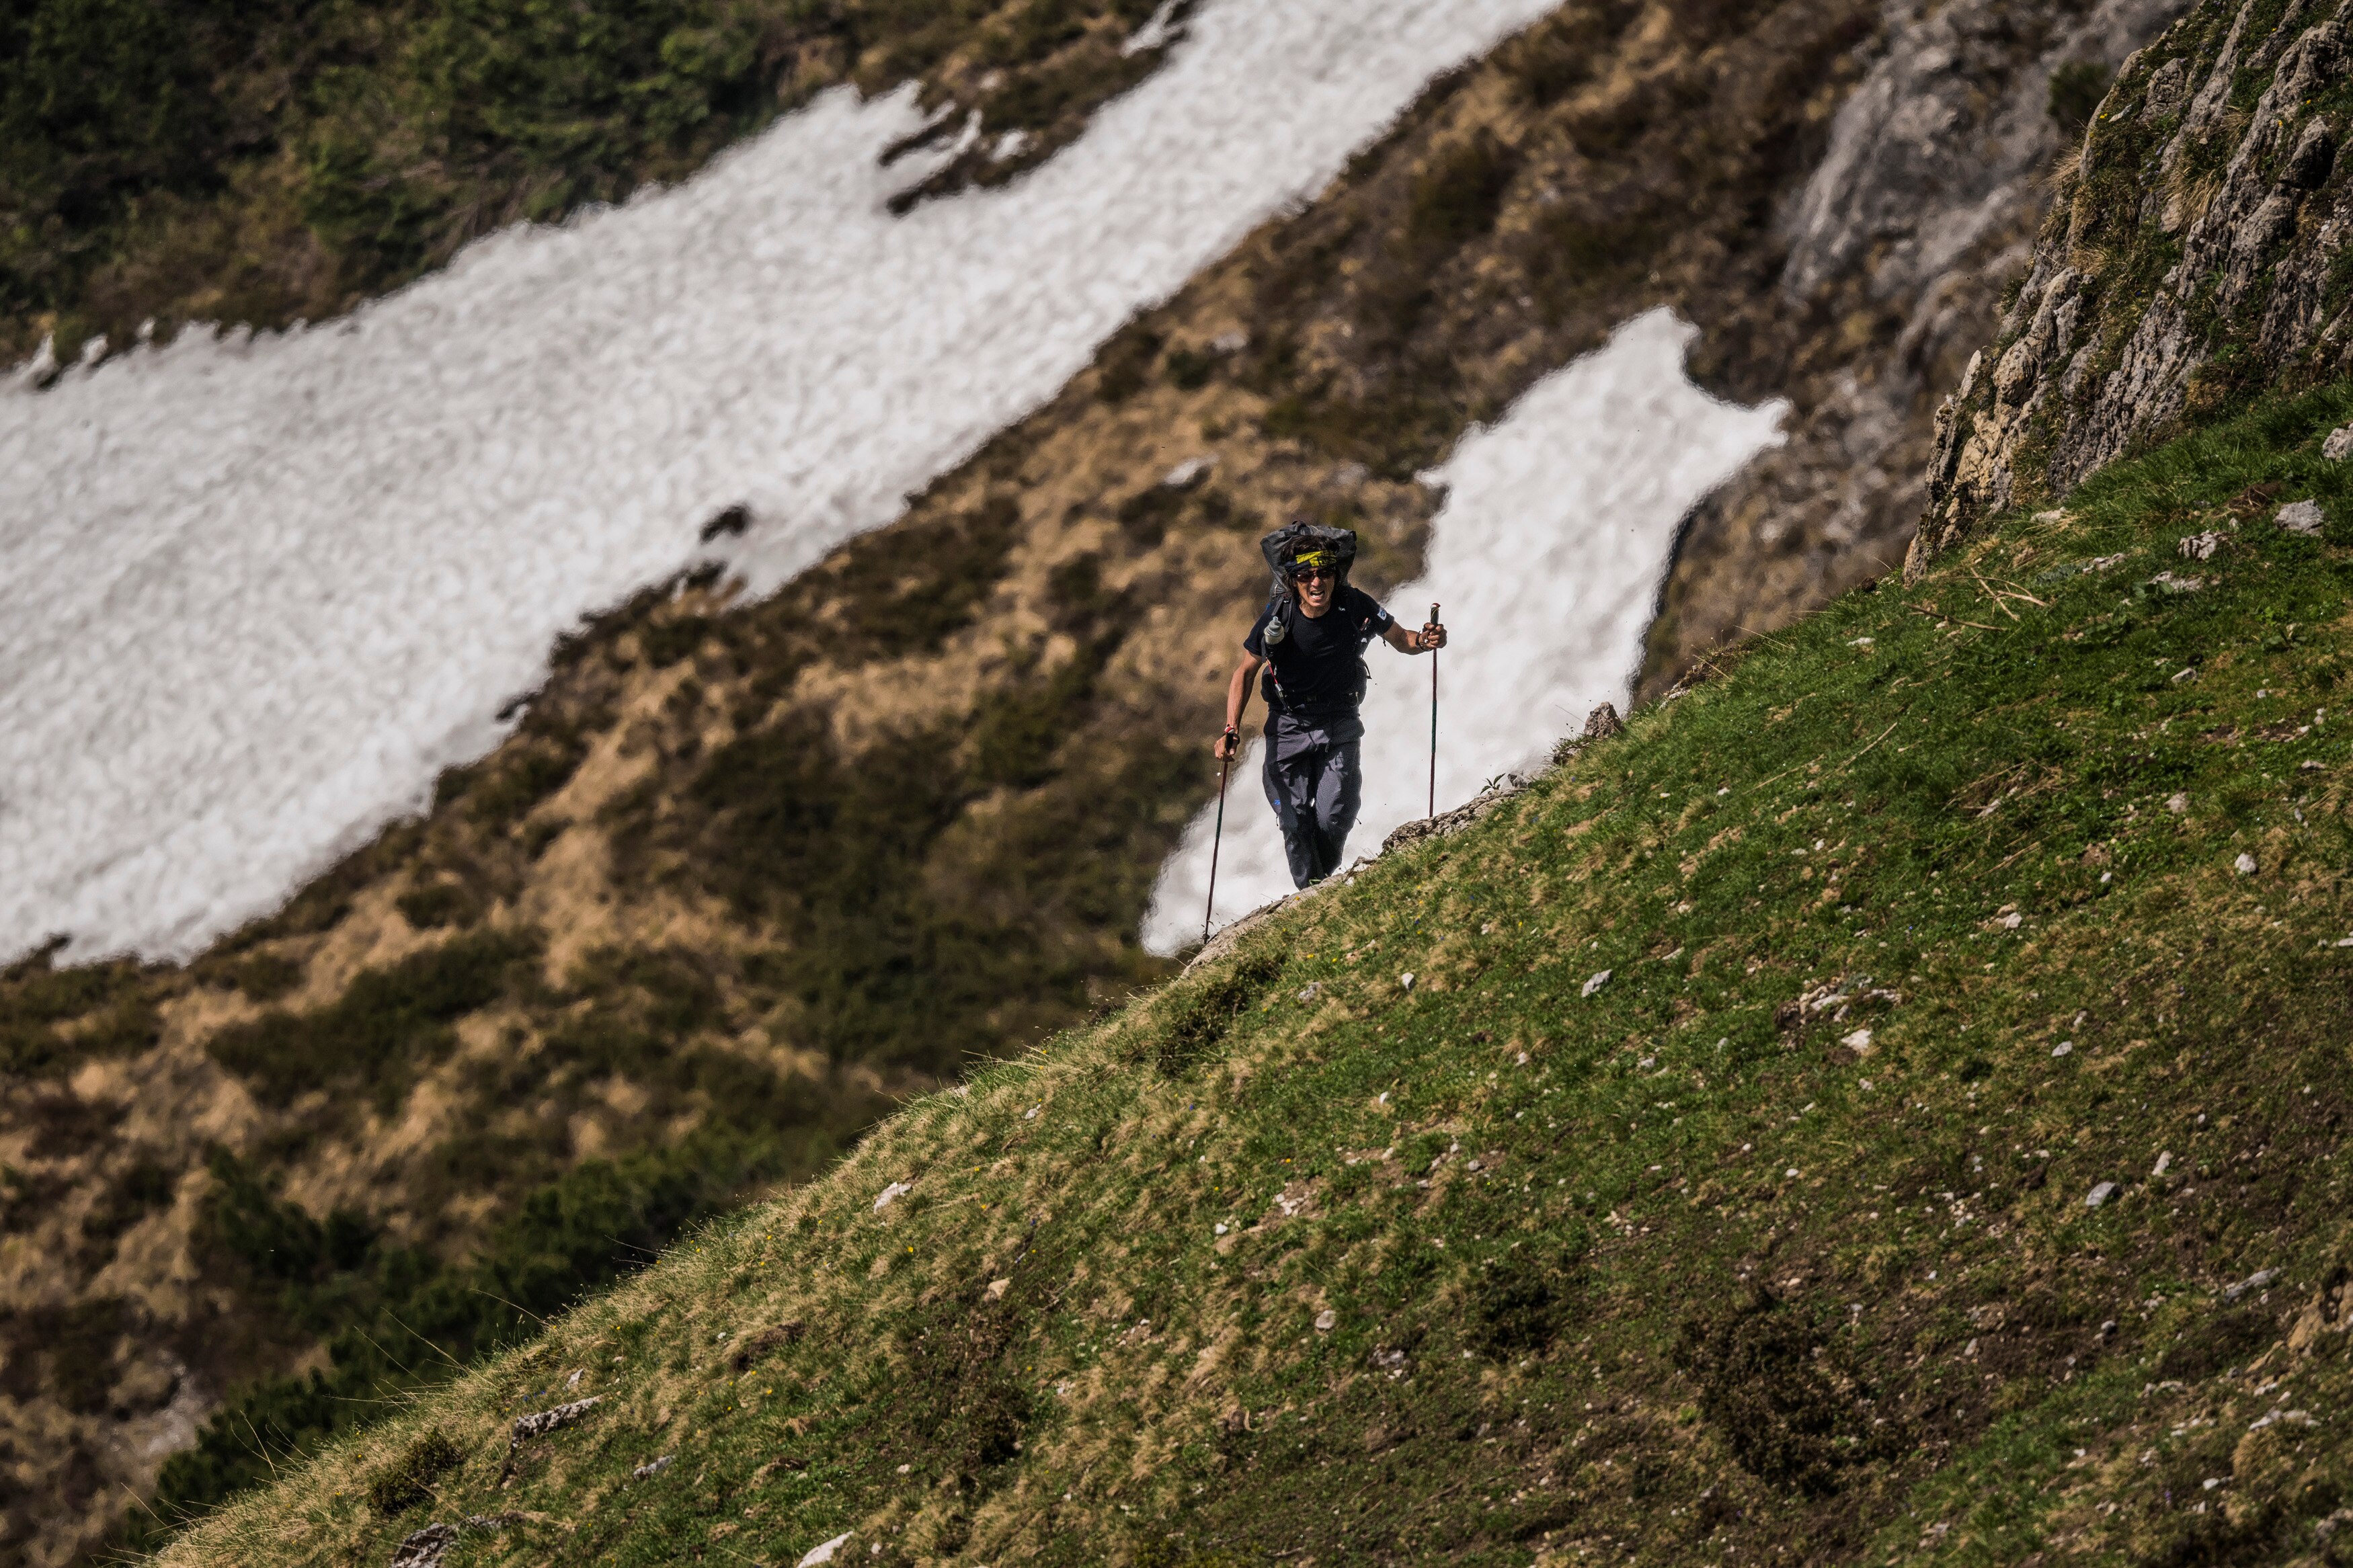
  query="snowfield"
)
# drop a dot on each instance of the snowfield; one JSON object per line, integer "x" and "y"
{"x": 1546, "y": 558}
{"x": 256, "y": 594}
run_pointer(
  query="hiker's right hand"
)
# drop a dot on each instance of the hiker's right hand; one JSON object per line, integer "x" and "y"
{"x": 1227, "y": 745}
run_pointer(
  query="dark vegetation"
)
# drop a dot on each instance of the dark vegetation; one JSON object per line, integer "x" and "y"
{"x": 2076, "y": 90}
{"x": 1195, "y": 1015}
{"x": 174, "y": 161}
{"x": 388, "y": 1028}
{"x": 52, "y": 1018}
{"x": 409, "y": 1482}
{"x": 399, "y": 1319}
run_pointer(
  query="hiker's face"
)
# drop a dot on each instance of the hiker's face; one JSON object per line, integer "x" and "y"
{"x": 1313, "y": 585}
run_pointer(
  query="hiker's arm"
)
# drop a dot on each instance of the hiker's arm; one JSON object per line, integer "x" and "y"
{"x": 1430, "y": 639}
{"x": 1238, "y": 696}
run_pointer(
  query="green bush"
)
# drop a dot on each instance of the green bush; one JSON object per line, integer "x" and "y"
{"x": 1459, "y": 197}
{"x": 385, "y": 1028}
{"x": 1125, "y": 366}
{"x": 2076, "y": 90}
{"x": 51, "y": 1018}
{"x": 1192, "y": 1022}
{"x": 409, "y": 1482}
{"x": 436, "y": 904}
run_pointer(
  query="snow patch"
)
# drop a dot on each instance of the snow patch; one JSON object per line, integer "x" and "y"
{"x": 255, "y": 593}
{"x": 1547, "y": 556}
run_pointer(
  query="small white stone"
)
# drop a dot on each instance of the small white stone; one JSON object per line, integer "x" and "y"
{"x": 1595, "y": 984}
{"x": 2164, "y": 1163}
{"x": 996, "y": 1289}
{"x": 2063, "y": 1048}
{"x": 1859, "y": 1041}
{"x": 1326, "y": 1320}
{"x": 1791, "y": 1172}
{"x": 1221, "y": 1229}
{"x": 2177, "y": 804}
{"x": 2100, "y": 1195}
{"x": 2340, "y": 445}
{"x": 2244, "y": 864}
{"x": 2301, "y": 517}
{"x": 824, "y": 1553}
{"x": 1405, "y": 981}
{"x": 891, "y": 1195}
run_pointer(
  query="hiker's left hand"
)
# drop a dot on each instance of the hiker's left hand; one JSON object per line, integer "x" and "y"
{"x": 1433, "y": 637}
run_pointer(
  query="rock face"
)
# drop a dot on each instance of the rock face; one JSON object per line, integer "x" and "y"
{"x": 2192, "y": 257}
{"x": 1922, "y": 209}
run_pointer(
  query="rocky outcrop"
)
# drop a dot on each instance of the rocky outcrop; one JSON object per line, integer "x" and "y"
{"x": 1922, "y": 209}
{"x": 2191, "y": 259}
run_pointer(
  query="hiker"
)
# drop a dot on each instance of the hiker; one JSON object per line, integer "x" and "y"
{"x": 1310, "y": 642}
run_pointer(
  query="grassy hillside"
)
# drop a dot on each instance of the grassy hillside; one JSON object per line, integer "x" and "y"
{"x": 608, "y": 975}
{"x": 1886, "y": 1106}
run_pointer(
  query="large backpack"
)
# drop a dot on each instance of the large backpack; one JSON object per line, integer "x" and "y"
{"x": 1282, "y": 548}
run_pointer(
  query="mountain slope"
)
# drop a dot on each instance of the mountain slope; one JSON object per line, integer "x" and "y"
{"x": 1886, "y": 1105}
{"x": 976, "y": 706}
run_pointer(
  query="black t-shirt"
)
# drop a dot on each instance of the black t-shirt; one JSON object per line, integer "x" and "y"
{"x": 1317, "y": 670}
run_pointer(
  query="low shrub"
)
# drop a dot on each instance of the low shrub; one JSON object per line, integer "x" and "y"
{"x": 409, "y": 1482}
{"x": 388, "y": 1026}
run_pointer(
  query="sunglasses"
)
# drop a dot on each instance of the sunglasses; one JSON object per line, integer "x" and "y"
{"x": 1309, "y": 574}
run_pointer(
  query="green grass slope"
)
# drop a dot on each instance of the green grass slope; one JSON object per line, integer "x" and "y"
{"x": 1922, "y": 928}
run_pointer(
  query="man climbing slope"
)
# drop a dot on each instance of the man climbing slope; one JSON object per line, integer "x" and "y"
{"x": 1310, "y": 642}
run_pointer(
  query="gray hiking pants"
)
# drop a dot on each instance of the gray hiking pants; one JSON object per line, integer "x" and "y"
{"x": 1315, "y": 783}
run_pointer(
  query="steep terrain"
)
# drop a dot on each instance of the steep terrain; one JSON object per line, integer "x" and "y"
{"x": 2194, "y": 257}
{"x": 1918, "y": 215}
{"x": 746, "y": 871}
{"x": 1887, "y": 1106}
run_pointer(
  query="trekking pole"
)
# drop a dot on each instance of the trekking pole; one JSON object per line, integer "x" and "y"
{"x": 1217, "y": 844}
{"x": 1433, "y": 720}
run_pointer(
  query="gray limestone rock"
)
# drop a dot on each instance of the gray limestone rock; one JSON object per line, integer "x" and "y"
{"x": 2301, "y": 517}
{"x": 2340, "y": 445}
{"x": 424, "y": 1548}
{"x": 541, "y": 1423}
{"x": 2261, "y": 213}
